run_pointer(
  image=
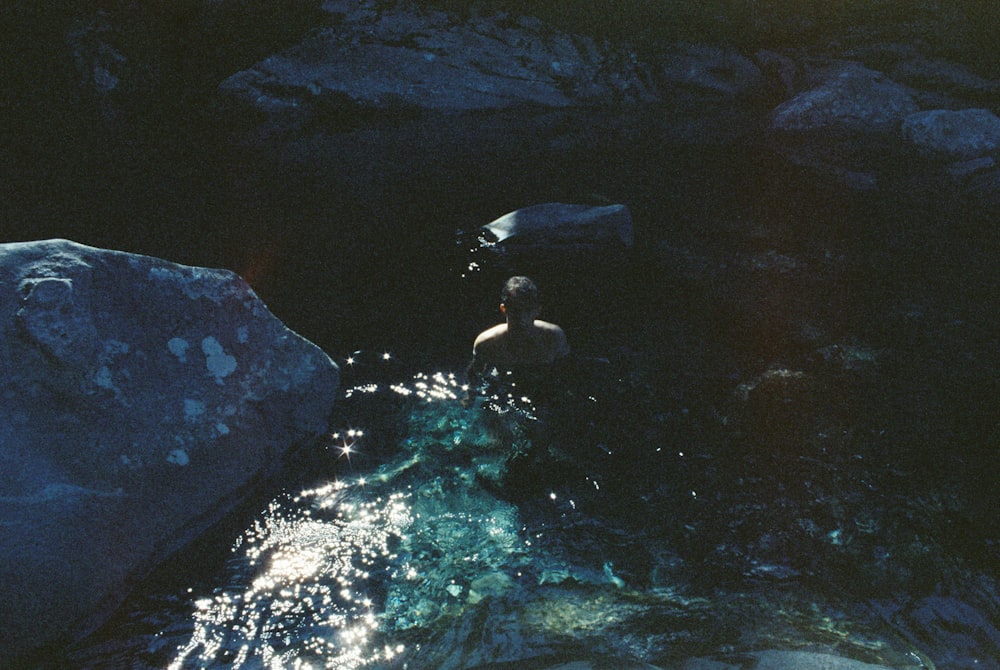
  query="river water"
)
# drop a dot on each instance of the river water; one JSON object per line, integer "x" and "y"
{"x": 660, "y": 511}
{"x": 413, "y": 549}
{"x": 774, "y": 449}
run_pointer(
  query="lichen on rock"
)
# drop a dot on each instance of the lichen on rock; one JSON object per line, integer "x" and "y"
{"x": 136, "y": 414}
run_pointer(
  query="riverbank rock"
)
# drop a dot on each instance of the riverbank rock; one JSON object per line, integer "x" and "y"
{"x": 142, "y": 400}
{"x": 409, "y": 65}
{"x": 845, "y": 96}
{"x": 461, "y": 89}
{"x": 406, "y": 57}
{"x": 962, "y": 135}
{"x": 709, "y": 71}
{"x": 936, "y": 81}
{"x": 841, "y": 122}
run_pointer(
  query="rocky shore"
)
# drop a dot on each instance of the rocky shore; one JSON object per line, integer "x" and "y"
{"x": 809, "y": 261}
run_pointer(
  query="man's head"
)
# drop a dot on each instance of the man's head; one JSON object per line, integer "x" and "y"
{"x": 519, "y": 296}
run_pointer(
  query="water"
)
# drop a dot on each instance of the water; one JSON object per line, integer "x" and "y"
{"x": 782, "y": 436}
{"x": 421, "y": 544}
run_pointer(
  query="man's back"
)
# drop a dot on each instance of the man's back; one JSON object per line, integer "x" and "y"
{"x": 521, "y": 342}
{"x": 503, "y": 346}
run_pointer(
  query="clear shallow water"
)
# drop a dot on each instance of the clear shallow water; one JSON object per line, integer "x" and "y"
{"x": 412, "y": 548}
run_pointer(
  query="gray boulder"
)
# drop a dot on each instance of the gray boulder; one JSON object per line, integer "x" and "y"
{"x": 843, "y": 124}
{"x": 962, "y": 135}
{"x": 142, "y": 400}
{"x": 410, "y": 57}
{"x": 846, "y": 96}
{"x": 559, "y": 226}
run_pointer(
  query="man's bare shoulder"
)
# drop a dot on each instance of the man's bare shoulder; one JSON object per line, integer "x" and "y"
{"x": 556, "y": 337}
{"x": 548, "y": 327}
{"x": 490, "y": 336}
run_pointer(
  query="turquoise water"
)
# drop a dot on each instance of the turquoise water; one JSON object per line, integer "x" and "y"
{"x": 423, "y": 542}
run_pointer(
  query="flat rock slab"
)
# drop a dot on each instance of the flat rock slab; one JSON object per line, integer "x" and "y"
{"x": 408, "y": 57}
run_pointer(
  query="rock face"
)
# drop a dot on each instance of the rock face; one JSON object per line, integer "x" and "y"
{"x": 963, "y": 134}
{"x": 141, "y": 399}
{"x": 504, "y": 83}
{"x": 408, "y": 57}
{"x": 849, "y": 96}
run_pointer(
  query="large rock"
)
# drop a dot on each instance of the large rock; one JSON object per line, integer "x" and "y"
{"x": 846, "y": 96}
{"x": 556, "y": 226}
{"x": 963, "y": 134}
{"x": 844, "y": 123}
{"x": 141, "y": 400}
{"x": 408, "y": 57}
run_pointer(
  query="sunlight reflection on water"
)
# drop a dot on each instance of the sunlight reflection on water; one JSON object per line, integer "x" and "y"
{"x": 323, "y": 578}
{"x": 310, "y": 561}
{"x": 421, "y": 562}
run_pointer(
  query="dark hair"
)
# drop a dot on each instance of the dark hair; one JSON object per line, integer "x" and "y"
{"x": 520, "y": 294}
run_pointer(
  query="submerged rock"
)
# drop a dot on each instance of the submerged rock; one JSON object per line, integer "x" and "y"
{"x": 583, "y": 664}
{"x": 804, "y": 660}
{"x": 142, "y": 400}
{"x": 776, "y": 406}
{"x": 553, "y": 226}
{"x": 953, "y": 631}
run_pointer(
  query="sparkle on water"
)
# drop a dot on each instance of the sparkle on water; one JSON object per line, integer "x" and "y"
{"x": 325, "y": 577}
{"x": 420, "y": 563}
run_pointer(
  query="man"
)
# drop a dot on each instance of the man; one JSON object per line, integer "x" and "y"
{"x": 523, "y": 341}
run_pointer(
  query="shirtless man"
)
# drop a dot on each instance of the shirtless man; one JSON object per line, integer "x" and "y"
{"x": 524, "y": 340}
